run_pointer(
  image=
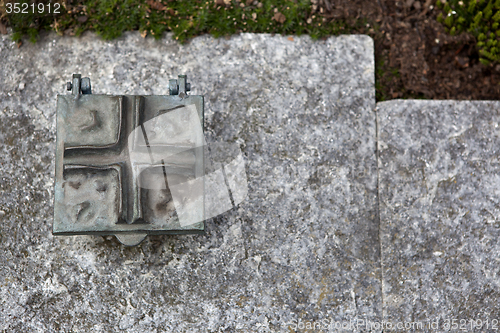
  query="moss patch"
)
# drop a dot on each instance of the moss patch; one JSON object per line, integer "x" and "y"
{"x": 186, "y": 19}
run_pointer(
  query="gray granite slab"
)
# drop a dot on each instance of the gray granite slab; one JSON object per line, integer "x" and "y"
{"x": 439, "y": 170}
{"x": 304, "y": 244}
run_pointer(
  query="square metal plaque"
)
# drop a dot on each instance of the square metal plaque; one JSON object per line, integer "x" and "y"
{"x": 116, "y": 157}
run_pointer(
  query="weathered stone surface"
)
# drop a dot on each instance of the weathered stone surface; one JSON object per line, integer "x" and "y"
{"x": 440, "y": 210}
{"x": 303, "y": 245}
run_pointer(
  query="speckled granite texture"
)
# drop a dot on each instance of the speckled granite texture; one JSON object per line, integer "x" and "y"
{"x": 439, "y": 172}
{"x": 303, "y": 245}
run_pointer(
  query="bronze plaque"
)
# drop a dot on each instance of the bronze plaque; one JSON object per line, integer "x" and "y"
{"x": 117, "y": 156}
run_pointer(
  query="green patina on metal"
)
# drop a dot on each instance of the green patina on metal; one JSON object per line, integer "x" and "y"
{"x": 106, "y": 175}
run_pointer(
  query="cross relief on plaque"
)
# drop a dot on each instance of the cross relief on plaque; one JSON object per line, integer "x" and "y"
{"x": 116, "y": 157}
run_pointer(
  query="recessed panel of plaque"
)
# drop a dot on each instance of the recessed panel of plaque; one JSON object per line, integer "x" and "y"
{"x": 119, "y": 159}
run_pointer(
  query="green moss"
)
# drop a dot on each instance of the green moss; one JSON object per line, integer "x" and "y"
{"x": 384, "y": 73}
{"x": 480, "y": 18}
{"x": 186, "y": 19}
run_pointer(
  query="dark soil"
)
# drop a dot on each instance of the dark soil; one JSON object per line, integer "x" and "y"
{"x": 415, "y": 57}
